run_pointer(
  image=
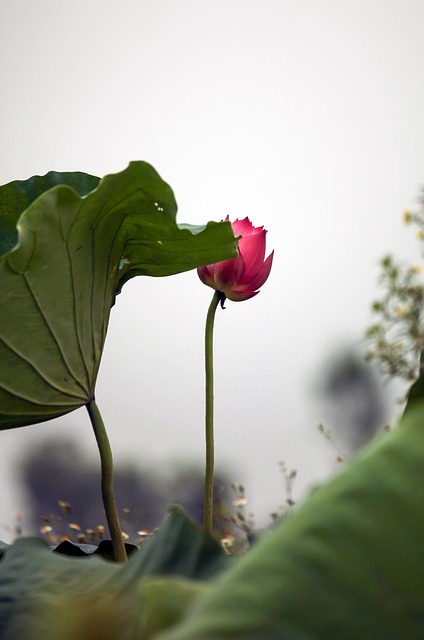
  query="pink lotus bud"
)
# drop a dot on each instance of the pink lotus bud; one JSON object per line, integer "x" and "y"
{"x": 240, "y": 278}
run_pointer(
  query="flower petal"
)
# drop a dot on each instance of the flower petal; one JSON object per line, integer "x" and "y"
{"x": 245, "y": 227}
{"x": 223, "y": 275}
{"x": 240, "y": 278}
{"x": 205, "y": 275}
{"x": 228, "y": 272}
{"x": 262, "y": 275}
{"x": 239, "y": 296}
{"x": 252, "y": 248}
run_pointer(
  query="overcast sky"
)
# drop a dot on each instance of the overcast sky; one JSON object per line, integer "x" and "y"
{"x": 306, "y": 116}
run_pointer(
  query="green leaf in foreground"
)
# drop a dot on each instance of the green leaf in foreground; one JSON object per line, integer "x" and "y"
{"x": 349, "y": 564}
{"x": 47, "y": 596}
{"x": 58, "y": 284}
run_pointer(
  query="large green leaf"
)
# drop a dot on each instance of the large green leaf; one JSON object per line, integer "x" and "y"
{"x": 57, "y": 285}
{"x": 348, "y": 565}
{"x": 44, "y": 595}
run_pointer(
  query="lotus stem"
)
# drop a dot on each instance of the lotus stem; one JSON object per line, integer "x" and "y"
{"x": 106, "y": 462}
{"x": 209, "y": 414}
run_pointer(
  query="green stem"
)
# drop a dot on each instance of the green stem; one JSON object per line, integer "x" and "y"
{"x": 210, "y": 455}
{"x": 107, "y": 481}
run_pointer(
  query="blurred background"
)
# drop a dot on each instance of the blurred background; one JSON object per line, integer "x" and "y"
{"x": 306, "y": 116}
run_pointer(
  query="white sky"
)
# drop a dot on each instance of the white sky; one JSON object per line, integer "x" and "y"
{"x": 307, "y": 116}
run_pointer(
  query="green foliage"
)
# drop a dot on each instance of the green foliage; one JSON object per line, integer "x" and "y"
{"x": 38, "y": 587}
{"x": 16, "y": 196}
{"x": 348, "y": 564}
{"x": 396, "y": 337}
{"x": 165, "y": 601}
{"x": 76, "y": 250}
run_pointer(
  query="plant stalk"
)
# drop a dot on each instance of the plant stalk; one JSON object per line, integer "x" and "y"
{"x": 209, "y": 412}
{"x": 106, "y": 462}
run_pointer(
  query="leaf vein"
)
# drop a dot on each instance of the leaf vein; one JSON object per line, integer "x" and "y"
{"x": 50, "y": 330}
{"x": 38, "y": 371}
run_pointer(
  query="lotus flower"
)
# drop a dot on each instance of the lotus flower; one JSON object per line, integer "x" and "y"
{"x": 240, "y": 278}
